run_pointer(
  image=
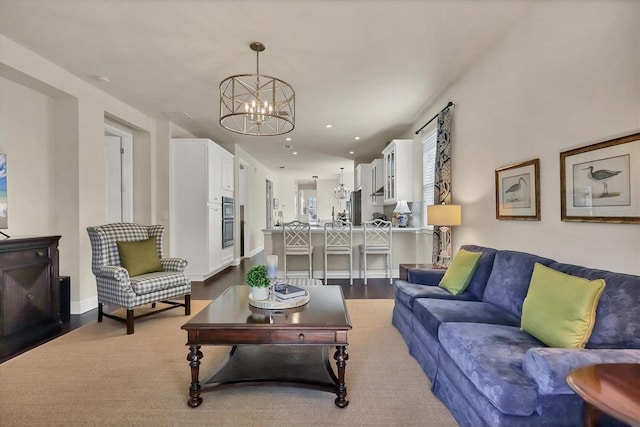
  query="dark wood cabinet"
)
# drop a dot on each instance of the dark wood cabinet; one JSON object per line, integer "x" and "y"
{"x": 29, "y": 299}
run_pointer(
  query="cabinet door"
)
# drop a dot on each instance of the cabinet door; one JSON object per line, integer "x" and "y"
{"x": 26, "y": 295}
{"x": 214, "y": 237}
{"x": 390, "y": 176}
{"x": 227, "y": 171}
{"x": 214, "y": 174}
{"x": 358, "y": 178}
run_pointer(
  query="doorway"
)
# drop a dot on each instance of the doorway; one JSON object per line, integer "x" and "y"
{"x": 118, "y": 146}
{"x": 244, "y": 198}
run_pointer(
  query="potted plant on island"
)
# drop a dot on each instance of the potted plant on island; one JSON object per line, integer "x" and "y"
{"x": 258, "y": 281}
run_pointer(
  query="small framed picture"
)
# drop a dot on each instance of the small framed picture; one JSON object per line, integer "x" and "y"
{"x": 518, "y": 191}
{"x": 601, "y": 182}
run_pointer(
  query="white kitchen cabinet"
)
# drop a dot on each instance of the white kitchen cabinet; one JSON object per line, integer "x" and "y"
{"x": 227, "y": 172}
{"x": 196, "y": 206}
{"x": 377, "y": 181}
{"x": 357, "y": 178}
{"x": 398, "y": 171}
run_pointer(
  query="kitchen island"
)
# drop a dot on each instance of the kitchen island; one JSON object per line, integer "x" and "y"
{"x": 410, "y": 245}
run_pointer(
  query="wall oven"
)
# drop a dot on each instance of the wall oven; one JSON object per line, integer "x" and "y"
{"x": 227, "y": 222}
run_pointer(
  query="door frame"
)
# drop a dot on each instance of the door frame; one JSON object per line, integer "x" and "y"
{"x": 126, "y": 141}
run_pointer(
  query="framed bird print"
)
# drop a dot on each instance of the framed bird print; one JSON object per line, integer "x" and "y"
{"x": 518, "y": 191}
{"x": 601, "y": 182}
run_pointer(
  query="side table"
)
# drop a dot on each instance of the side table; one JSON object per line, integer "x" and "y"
{"x": 612, "y": 388}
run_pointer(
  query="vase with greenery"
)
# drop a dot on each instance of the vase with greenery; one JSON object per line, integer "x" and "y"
{"x": 258, "y": 281}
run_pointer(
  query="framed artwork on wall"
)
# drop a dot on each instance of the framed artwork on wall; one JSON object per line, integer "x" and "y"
{"x": 518, "y": 191}
{"x": 4, "y": 215}
{"x": 601, "y": 182}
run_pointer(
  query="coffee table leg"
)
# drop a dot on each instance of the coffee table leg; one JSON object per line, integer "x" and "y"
{"x": 194, "y": 357}
{"x": 590, "y": 415}
{"x": 341, "y": 358}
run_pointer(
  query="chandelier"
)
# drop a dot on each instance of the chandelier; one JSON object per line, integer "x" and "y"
{"x": 255, "y": 104}
{"x": 341, "y": 192}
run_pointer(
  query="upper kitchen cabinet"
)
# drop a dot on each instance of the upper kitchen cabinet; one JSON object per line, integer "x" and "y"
{"x": 227, "y": 172}
{"x": 377, "y": 181}
{"x": 398, "y": 171}
{"x": 357, "y": 178}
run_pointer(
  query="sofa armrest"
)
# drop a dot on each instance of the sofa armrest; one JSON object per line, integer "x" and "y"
{"x": 174, "y": 264}
{"x": 548, "y": 367}
{"x": 112, "y": 272}
{"x": 425, "y": 276}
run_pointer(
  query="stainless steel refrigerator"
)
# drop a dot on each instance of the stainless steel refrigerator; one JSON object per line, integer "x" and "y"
{"x": 356, "y": 207}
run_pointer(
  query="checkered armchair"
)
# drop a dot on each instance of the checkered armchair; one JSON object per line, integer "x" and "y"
{"x": 117, "y": 288}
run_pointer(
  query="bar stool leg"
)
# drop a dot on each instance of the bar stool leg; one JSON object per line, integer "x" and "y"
{"x": 310, "y": 264}
{"x": 350, "y": 269}
{"x": 364, "y": 255}
{"x": 325, "y": 267}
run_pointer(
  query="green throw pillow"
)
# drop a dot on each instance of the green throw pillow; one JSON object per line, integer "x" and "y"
{"x": 139, "y": 257}
{"x": 460, "y": 271}
{"x": 560, "y": 309}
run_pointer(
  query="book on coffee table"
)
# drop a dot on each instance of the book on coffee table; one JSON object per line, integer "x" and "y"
{"x": 289, "y": 291}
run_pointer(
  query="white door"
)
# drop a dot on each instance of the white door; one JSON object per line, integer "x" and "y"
{"x": 118, "y": 175}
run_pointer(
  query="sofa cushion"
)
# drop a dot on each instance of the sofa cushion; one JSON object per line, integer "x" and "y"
{"x": 560, "y": 309}
{"x": 618, "y": 312}
{"x": 406, "y": 293}
{"x": 152, "y": 282}
{"x": 432, "y": 313}
{"x": 483, "y": 270}
{"x": 425, "y": 276}
{"x": 140, "y": 256}
{"x": 548, "y": 367}
{"x": 509, "y": 280}
{"x": 490, "y": 356}
{"x": 460, "y": 272}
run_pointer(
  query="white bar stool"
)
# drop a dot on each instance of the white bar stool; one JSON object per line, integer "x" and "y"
{"x": 377, "y": 241}
{"x": 337, "y": 241}
{"x": 297, "y": 241}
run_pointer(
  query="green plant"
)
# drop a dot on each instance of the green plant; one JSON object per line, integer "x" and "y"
{"x": 257, "y": 276}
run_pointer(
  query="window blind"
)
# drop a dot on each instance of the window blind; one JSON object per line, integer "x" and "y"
{"x": 429, "y": 145}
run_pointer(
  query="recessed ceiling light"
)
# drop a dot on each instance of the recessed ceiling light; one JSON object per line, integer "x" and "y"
{"x": 350, "y": 152}
{"x": 295, "y": 152}
{"x": 288, "y": 139}
{"x": 103, "y": 79}
{"x": 357, "y": 138}
{"x": 329, "y": 126}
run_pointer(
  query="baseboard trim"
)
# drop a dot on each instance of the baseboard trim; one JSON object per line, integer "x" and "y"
{"x": 79, "y": 307}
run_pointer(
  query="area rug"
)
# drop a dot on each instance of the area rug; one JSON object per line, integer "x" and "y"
{"x": 98, "y": 375}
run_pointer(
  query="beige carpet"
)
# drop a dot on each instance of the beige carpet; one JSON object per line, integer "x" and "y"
{"x": 98, "y": 375}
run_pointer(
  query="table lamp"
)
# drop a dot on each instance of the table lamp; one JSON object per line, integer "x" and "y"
{"x": 402, "y": 209}
{"x": 444, "y": 216}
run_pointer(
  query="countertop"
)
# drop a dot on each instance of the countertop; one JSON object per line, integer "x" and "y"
{"x": 356, "y": 229}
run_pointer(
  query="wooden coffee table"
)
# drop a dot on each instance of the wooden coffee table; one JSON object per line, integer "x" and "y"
{"x": 286, "y": 347}
{"x": 610, "y": 388}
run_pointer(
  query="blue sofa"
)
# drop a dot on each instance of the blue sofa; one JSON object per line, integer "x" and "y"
{"x": 483, "y": 367}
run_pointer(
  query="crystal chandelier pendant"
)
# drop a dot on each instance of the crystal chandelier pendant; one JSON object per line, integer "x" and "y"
{"x": 341, "y": 192}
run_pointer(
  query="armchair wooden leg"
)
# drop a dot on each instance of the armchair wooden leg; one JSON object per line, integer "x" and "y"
{"x": 129, "y": 322}
{"x": 99, "y": 312}
{"x": 187, "y": 305}
{"x": 153, "y": 305}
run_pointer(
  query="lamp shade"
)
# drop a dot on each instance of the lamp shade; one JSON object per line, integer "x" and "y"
{"x": 402, "y": 207}
{"x": 444, "y": 215}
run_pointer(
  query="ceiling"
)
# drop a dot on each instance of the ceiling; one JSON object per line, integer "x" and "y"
{"x": 371, "y": 69}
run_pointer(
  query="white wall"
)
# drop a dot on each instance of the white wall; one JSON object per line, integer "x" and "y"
{"x": 565, "y": 77}
{"x": 52, "y": 127}
{"x": 25, "y": 137}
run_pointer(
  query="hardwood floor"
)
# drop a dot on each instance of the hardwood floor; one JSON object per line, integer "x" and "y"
{"x": 378, "y": 288}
